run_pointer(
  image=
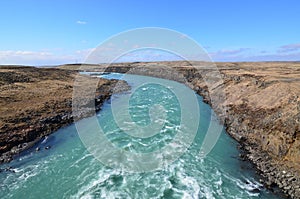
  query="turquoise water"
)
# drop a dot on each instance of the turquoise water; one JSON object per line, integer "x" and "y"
{"x": 68, "y": 170}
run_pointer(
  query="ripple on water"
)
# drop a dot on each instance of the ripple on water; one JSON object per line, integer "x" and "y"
{"x": 68, "y": 170}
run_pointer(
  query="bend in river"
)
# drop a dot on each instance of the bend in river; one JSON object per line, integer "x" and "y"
{"x": 68, "y": 170}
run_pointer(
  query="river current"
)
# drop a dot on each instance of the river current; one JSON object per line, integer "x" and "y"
{"x": 69, "y": 170}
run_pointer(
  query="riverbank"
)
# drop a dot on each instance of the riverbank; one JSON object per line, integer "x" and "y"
{"x": 189, "y": 176}
{"x": 34, "y": 102}
{"x": 261, "y": 106}
{"x": 261, "y": 103}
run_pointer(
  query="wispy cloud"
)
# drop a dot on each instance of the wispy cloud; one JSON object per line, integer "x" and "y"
{"x": 148, "y": 55}
{"x": 99, "y": 55}
{"x": 289, "y": 48}
{"x": 41, "y": 57}
{"x": 285, "y": 53}
{"x": 228, "y": 54}
{"x": 81, "y": 22}
{"x": 271, "y": 57}
{"x": 231, "y": 51}
{"x": 107, "y": 53}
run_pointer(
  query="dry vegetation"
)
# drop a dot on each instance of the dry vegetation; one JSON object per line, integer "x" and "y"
{"x": 35, "y": 102}
{"x": 262, "y": 106}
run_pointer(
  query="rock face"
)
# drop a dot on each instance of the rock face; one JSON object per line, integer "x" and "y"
{"x": 261, "y": 109}
{"x": 263, "y": 114}
{"x": 35, "y": 102}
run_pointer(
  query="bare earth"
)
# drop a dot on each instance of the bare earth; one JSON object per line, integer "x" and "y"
{"x": 259, "y": 103}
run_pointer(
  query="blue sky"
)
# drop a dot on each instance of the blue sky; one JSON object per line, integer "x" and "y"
{"x": 63, "y": 31}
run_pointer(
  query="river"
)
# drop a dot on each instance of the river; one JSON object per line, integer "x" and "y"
{"x": 69, "y": 170}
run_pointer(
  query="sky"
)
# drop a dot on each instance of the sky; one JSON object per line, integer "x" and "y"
{"x": 51, "y": 32}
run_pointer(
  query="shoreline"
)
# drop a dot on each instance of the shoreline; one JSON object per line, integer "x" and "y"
{"x": 46, "y": 111}
{"x": 261, "y": 110}
{"x": 250, "y": 117}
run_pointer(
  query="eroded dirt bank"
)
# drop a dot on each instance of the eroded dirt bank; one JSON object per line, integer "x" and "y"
{"x": 35, "y": 102}
{"x": 261, "y": 109}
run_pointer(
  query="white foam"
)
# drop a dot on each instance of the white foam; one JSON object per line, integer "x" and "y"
{"x": 103, "y": 175}
{"x": 77, "y": 162}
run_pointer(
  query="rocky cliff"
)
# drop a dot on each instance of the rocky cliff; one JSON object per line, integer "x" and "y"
{"x": 259, "y": 104}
